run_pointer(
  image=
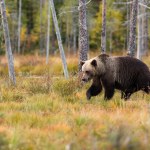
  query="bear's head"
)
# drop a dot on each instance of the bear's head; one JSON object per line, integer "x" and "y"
{"x": 91, "y": 68}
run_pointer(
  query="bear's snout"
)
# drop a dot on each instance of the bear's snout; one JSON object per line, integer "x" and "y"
{"x": 84, "y": 80}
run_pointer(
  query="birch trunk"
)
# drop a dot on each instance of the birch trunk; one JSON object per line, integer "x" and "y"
{"x": 74, "y": 40}
{"x": 145, "y": 31}
{"x": 59, "y": 39}
{"x": 41, "y": 27}
{"x": 132, "y": 38}
{"x": 140, "y": 38}
{"x": 19, "y": 24}
{"x": 110, "y": 46}
{"x": 103, "y": 34}
{"x": 7, "y": 43}
{"x": 83, "y": 35}
{"x": 48, "y": 33}
{"x": 128, "y": 18}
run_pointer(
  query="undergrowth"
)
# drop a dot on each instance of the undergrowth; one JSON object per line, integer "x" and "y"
{"x": 46, "y": 111}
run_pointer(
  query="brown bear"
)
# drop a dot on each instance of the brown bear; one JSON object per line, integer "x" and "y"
{"x": 126, "y": 74}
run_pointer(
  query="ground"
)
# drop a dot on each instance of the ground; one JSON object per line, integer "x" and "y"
{"x": 45, "y": 111}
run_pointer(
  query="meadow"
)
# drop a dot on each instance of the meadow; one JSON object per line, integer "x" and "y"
{"x": 44, "y": 111}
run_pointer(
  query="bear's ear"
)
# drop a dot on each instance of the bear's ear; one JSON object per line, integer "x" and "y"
{"x": 94, "y": 63}
{"x": 82, "y": 63}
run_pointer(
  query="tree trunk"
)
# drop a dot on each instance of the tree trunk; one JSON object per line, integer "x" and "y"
{"x": 140, "y": 36}
{"x": 53, "y": 39}
{"x": 19, "y": 24}
{"x": 41, "y": 28}
{"x": 132, "y": 38}
{"x": 128, "y": 18}
{"x": 103, "y": 34}
{"x": 59, "y": 39}
{"x": 8, "y": 44}
{"x": 83, "y": 35}
{"x": 74, "y": 39}
{"x": 110, "y": 46}
{"x": 145, "y": 31}
{"x": 48, "y": 33}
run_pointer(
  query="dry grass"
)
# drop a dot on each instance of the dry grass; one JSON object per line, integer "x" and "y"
{"x": 44, "y": 111}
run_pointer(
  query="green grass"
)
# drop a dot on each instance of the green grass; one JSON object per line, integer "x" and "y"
{"x": 47, "y": 112}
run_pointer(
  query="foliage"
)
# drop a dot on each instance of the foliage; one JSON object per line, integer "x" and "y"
{"x": 34, "y": 28}
{"x": 114, "y": 20}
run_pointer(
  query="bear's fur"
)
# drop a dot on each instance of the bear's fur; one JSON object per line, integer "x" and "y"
{"x": 123, "y": 73}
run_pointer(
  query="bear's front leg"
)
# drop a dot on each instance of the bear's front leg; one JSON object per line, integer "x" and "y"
{"x": 95, "y": 88}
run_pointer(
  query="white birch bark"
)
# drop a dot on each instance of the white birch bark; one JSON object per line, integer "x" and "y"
{"x": 74, "y": 40}
{"x": 144, "y": 31}
{"x": 132, "y": 38}
{"x": 83, "y": 35}
{"x": 19, "y": 24}
{"x": 61, "y": 49}
{"x": 140, "y": 38}
{"x": 103, "y": 34}
{"x": 7, "y": 43}
{"x": 41, "y": 26}
{"x": 110, "y": 46}
{"x": 48, "y": 33}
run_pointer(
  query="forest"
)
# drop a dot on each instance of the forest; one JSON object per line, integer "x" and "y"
{"x": 43, "y": 103}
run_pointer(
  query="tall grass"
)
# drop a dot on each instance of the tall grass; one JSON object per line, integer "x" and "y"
{"x": 45, "y": 111}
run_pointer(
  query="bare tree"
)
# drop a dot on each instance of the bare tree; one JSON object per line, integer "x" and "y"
{"x": 103, "y": 34}
{"x": 7, "y": 43}
{"x": 59, "y": 39}
{"x": 41, "y": 27}
{"x": 140, "y": 37}
{"x": 83, "y": 35}
{"x": 74, "y": 38}
{"x": 132, "y": 38}
{"x": 145, "y": 30}
{"x": 19, "y": 24}
{"x": 48, "y": 33}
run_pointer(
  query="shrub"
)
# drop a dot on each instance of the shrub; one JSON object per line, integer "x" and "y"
{"x": 66, "y": 87}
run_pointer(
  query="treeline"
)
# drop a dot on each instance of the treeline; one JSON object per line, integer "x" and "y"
{"x": 34, "y": 20}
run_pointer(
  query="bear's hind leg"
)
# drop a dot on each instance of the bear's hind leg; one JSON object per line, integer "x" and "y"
{"x": 146, "y": 89}
{"x": 109, "y": 92}
{"x": 109, "y": 87}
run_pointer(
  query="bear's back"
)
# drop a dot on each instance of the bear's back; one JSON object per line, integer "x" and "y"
{"x": 133, "y": 64}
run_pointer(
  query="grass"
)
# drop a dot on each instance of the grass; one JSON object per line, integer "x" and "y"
{"x": 46, "y": 112}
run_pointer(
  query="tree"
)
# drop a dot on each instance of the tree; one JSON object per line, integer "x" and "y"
{"x": 83, "y": 35}
{"x": 59, "y": 39}
{"x": 7, "y": 43}
{"x": 145, "y": 31}
{"x": 132, "y": 38}
{"x": 115, "y": 17}
{"x": 48, "y": 33}
{"x": 103, "y": 34}
{"x": 19, "y": 24}
{"x": 140, "y": 36}
{"x": 41, "y": 27}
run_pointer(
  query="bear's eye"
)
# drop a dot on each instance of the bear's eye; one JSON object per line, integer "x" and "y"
{"x": 87, "y": 72}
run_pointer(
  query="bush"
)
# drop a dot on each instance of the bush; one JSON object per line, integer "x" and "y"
{"x": 66, "y": 87}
